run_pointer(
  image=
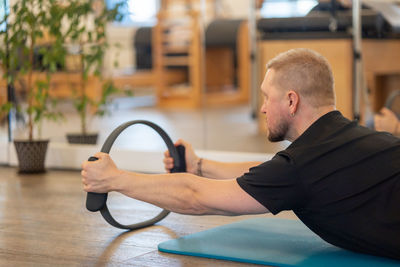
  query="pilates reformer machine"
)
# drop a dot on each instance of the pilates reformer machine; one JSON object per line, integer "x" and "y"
{"x": 191, "y": 62}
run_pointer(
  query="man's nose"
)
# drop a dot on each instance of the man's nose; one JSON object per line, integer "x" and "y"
{"x": 263, "y": 109}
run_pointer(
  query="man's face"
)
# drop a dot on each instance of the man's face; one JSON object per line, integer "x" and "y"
{"x": 273, "y": 108}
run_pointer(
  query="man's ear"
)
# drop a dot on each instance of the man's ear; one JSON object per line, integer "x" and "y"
{"x": 293, "y": 101}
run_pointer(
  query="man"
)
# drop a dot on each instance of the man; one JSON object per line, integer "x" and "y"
{"x": 342, "y": 180}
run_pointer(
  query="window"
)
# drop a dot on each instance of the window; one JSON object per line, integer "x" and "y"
{"x": 137, "y": 12}
{"x": 4, "y": 10}
{"x": 286, "y": 8}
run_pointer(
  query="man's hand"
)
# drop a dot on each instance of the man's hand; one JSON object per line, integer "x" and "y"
{"x": 100, "y": 176}
{"x": 386, "y": 121}
{"x": 190, "y": 158}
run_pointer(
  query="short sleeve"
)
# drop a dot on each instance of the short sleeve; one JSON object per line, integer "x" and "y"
{"x": 274, "y": 184}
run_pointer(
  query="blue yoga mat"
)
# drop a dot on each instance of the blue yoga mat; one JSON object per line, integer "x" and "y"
{"x": 269, "y": 241}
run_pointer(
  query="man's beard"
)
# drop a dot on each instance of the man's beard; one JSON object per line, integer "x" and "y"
{"x": 279, "y": 133}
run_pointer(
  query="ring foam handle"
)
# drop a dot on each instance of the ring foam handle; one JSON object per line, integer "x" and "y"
{"x": 181, "y": 154}
{"x": 95, "y": 201}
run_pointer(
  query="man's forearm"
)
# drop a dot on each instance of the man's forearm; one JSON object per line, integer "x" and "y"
{"x": 223, "y": 171}
{"x": 177, "y": 192}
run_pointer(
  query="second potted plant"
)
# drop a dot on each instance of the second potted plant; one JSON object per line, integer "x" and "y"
{"x": 88, "y": 20}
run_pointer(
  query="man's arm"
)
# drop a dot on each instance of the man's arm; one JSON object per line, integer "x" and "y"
{"x": 208, "y": 168}
{"x": 178, "y": 192}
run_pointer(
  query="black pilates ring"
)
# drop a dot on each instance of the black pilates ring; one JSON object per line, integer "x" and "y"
{"x": 98, "y": 201}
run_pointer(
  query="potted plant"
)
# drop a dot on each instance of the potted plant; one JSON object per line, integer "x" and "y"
{"x": 88, "y": 20}
{"x": 26, "y": 25}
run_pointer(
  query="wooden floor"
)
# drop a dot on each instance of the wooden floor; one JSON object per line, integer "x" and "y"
{"x": 44, "y": 222}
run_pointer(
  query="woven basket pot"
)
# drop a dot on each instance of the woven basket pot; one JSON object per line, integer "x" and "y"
{"x": 31, "y": 155}
{"x": 90, "y": 139}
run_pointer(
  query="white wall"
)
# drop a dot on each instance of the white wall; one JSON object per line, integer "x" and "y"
{"x": 4, "y": 153}
{"x": 125, "y": 54}
{"x": 236, "y": 8}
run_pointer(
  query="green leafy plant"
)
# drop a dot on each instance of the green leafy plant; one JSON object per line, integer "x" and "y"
{"x": 27, "y": 23}
{"x": 87, "y": 20}
{"x": 4, "y": 109}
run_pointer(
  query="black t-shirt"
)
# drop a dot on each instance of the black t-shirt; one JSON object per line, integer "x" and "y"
{"x": 342, "y": 180}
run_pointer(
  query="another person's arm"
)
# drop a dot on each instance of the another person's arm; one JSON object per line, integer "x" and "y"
{"x": 387, "y": 121}
{"x": 178, "y": 192}
{"x": 209, "y": 168}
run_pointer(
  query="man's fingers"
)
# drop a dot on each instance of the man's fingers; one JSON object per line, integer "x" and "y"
{"x": 168, "y": 164}
{"x": 84, "y": 182}
{"x": 180, "y": 142}
{"x": 385, "y": 111}
{"x": 87, "y": 188}
{"x": 101, "y": 155}
{"x": 168, "y": 161}
{"x": 83, "y": 165}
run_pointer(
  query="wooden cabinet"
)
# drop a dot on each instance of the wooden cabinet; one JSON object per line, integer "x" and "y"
{"x": 381, "y": 60}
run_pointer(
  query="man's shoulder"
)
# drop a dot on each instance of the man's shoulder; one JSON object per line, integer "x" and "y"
{"x": 352, "y": 139}
{"x": 329, "y": 133}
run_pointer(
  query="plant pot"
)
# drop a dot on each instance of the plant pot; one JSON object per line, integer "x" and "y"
{"x": 90, "y": 139}
{"x": 31, "y": 155}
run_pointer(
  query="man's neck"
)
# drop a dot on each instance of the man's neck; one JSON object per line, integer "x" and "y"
{"x": 305, "y": 118}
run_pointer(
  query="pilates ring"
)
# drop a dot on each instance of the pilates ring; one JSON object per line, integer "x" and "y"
{"x": 98, "y": 201}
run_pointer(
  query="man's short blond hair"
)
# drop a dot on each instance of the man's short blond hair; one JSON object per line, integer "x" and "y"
{"x": 306, "y": 72}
